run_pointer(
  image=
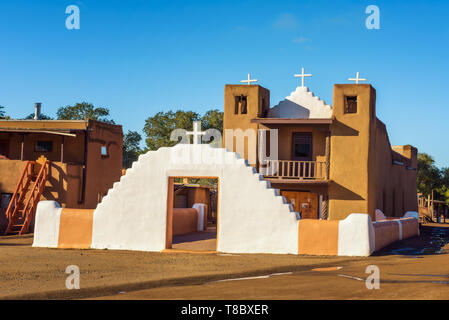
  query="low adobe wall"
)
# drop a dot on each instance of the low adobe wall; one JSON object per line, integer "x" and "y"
{"x": 65, "y": 228}
{"x": 356, "y": 235}
{"x": 185, "y": 220}
{"x": 318, "y": 237}
{"x": 58, "y": 227}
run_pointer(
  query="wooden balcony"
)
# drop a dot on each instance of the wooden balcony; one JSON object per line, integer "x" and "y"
{"x": 295, "y": 170}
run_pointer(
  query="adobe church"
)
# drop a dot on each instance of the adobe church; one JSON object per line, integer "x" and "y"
{"x": 331, "y": 160}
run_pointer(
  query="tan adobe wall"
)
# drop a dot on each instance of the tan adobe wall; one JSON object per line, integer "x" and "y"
{"x": 350, "y": 143}
{"x": 185, "y": 220}
{"x": 102, "y": 171}
{"x": 366, "y": 173}
{"x": 394, "y": 179}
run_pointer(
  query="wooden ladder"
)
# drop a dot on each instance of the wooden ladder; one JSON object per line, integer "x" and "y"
{"x": 22, "y": 208}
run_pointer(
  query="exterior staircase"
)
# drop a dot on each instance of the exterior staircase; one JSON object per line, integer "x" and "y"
{"x": 31, "y": 185}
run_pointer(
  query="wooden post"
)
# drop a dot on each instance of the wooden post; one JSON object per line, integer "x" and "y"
{"x": 170, "y": 197}
{"x": 328, "y": 154}
{"x": 433, "y": 207}
{"x": 22, "y": 147}
{"x": 62, "y": 149}
{"x": 325, "y": 207}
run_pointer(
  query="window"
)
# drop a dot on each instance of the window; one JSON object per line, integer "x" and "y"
{"x": 5, "y": 200}
{"x": 4, "y": 149}
{"x": 302, "y": 146}
{"x": 43, "y": 146}
{"x": 350, "y": 104}
{"x": 302, "y": 150}
{"x": 241, "y": 105}
{"x": 104, "y": 151}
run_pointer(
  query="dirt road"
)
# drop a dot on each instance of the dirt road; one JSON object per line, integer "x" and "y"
{"x": 413, "y": 269}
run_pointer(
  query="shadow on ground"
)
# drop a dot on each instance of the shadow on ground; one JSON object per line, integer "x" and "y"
{"x": 433, "y": 239}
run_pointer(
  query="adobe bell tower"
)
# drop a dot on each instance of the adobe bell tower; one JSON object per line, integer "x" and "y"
{"x": 242, "y": 103}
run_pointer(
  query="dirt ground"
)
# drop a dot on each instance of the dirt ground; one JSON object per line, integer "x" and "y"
{"x": 416, "y": 268}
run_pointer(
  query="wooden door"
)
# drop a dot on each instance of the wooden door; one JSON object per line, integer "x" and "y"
{"x": 306, "y": 203}
{"x": 4, "y": 149}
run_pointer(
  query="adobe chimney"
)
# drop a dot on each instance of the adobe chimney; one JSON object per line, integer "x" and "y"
{"x": 37, "y": 111}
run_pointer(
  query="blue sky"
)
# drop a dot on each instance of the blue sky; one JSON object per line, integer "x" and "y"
{"x": 140, "y": 57}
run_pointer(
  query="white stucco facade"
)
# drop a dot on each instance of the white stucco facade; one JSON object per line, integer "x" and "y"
{"x": 302, "y": 104}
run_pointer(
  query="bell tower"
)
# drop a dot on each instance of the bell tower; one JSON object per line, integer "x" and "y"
{"x": 242, "y": 103}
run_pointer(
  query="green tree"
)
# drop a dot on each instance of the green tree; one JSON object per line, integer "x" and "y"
{"x": 158, "y": 128}
{"x": 3, "y": 114}
{"x": 429, "y": 176}
{"x": 83, "y": 111}
{"x": 131, "y": 148}
{"x": 444, "y": 189}
{"x": 213, "y": 119}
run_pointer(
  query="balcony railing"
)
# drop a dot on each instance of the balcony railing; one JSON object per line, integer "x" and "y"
{"x": 286, "y": 169}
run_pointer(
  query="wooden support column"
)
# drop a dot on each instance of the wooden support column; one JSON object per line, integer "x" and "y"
{"x": 170, "y": 199}
{"x": 325, "y": 207}
{"x": 62, "y": 149}
{"x": 328, "y": 154}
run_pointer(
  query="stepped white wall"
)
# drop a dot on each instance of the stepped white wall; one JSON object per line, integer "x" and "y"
{"x": 252, "y": 217}
{"x": 302, "y": 104}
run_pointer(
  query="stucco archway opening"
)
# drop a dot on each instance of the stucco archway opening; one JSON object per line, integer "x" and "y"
{"x": 192, "y": 213}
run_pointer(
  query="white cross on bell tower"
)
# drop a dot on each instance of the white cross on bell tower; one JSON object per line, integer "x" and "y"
{"x": 248, "y": 82}
{"x": 196, "y": 133}
{"x": 357, "y": 78}
{"x": 302, "y": 76}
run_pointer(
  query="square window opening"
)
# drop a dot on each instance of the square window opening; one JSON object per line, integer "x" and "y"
{"x": 350, "y": 104}
{"x": 241, "y": 104}
{"x": 44, "y": 146}
{"x": 104, "y": 151}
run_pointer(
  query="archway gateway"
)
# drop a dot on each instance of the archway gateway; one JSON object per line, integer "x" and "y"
{"x": 192, "y": 223}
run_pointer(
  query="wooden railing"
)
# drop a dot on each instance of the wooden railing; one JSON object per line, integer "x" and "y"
{"x": 22, "y": 208}
{"x": 35, "y": 195}
{"x": 19, "y": 194}
{"x": 286, "y": 169}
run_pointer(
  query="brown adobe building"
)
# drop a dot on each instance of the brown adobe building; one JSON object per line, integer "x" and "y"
{"x": 85, "y": 159}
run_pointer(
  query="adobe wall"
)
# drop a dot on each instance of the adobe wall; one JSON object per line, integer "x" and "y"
{"x": 102, "y": 171}
{"x": 394, "y": 179}
{"x": 185, "y": 220}
{"x": 350, "y": 150}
